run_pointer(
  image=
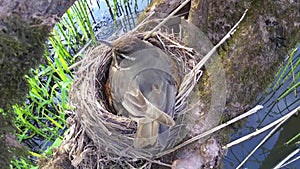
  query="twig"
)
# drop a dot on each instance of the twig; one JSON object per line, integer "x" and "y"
{"x": 166, "y": 19}
{"x": 176, "y": 44}
{"x": 281, "y": 164}
{"x": 214, "y": 49}
{"x": 75, "y": 65}
{"x": 81, "y": 52}
{"x": 160, "y": 40}
{"x": 252, "y": 111}
{"x": 161, "y": 163}
{"x": 143, "y": 22}
{"x": 291, "y": 161}
{"x": 187, "y": 79}
{"x": 257, "y": 132}
{"x": 269, "y": 135}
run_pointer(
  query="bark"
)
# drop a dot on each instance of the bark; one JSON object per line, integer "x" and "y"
{"x": 250, "y": 58}
{"x": 24, "y": 27}
{"x": 254, "y": 53}
{"x": 198, "y": 14}
{"x": 29, "y": 10}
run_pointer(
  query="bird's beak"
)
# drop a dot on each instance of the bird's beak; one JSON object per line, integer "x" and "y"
{"x": 107, "y": 43}
{"x": 114, "y": 55}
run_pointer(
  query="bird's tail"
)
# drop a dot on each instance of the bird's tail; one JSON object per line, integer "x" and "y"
{"x": 146, "y": 135}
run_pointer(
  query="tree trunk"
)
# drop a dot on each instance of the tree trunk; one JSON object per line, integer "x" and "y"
{"x": 24, "y": 27}
{"x": 250, "y": 59}
{"x": 252, "y": 56}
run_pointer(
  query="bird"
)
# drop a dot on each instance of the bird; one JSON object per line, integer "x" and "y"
{"x": 143, "y": 82}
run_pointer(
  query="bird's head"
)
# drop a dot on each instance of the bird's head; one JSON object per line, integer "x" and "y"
{"x": 124, "y": 47}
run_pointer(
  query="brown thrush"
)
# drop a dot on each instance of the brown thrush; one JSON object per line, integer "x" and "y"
{"x": 143, "y": 84}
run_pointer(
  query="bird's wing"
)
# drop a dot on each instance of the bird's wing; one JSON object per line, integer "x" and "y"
{"x": 159, "y": 88}
{"x": 152, "y": 96}
{"x": 142, "y": 111}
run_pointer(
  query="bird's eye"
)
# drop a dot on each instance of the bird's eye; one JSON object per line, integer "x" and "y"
{"x": 122, "y": 56}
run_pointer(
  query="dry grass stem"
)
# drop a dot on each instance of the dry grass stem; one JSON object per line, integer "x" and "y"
{"x": 110, "y": 135}
{"x": 257, "y": 132}
{"x": 284, "y": 161}
{"x": 286, "y": 117}
{"x": 248, "y": 113}
{"x": 166, "y": 19}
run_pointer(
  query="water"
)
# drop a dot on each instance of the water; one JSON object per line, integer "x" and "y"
{"x": 126, "y": 17}
{"x": 274, "y": 150}
{"x": 104, "y": 27}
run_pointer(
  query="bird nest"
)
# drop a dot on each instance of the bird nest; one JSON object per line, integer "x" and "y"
{"x": 98, "y": 135}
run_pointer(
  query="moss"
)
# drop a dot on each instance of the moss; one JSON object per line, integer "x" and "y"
{"x": 204, "y": 88}
{"x": 21, "y": 47}
{"x": 253, "y": 55}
